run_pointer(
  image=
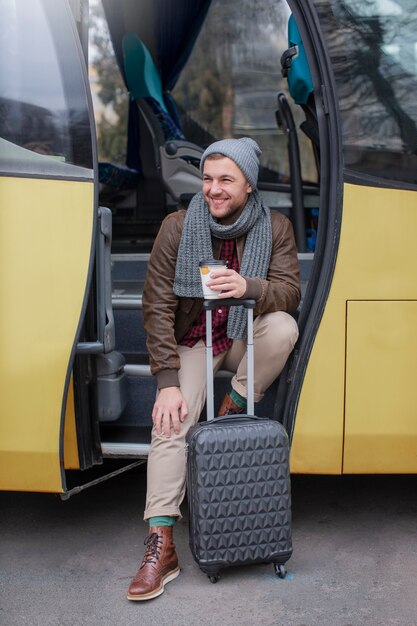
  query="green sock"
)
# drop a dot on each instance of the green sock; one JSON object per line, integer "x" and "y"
{"x": 238, "y": 399}
{"x": 162, "y": 520}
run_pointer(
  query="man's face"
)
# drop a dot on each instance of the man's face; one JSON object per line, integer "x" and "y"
{"x": 225, "y": 189}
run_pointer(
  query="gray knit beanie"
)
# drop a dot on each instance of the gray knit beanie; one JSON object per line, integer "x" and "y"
{"x": 244, "y": 152}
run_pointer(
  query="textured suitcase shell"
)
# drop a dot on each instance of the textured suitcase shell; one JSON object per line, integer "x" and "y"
{"x": 239, "y": 492}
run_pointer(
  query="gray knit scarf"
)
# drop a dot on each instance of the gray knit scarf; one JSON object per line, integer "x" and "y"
{"x": 195, "y": 244}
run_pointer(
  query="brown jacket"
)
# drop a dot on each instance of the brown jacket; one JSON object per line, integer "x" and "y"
{"x": 167, "y": 318}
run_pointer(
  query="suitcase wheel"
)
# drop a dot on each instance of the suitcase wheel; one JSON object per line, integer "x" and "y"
{"x": 213, "y": 578}
{"x": 280, "y": 570}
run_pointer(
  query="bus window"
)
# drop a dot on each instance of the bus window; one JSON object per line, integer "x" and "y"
{"x": 44, "y": 123}
{"x": 373, "y": 47}
{"x": 110, "y": 97}
{"x": 230, "y": 83}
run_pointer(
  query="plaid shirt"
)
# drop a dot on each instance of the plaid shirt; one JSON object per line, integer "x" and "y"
{"x": 221, "y": 341}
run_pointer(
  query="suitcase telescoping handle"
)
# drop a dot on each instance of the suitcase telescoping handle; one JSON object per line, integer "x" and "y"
{"x": 209, "y": 306}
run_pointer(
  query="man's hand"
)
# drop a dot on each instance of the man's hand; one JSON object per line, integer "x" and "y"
{"x": 229, "y": 282}
{"x": 170, "y": 408}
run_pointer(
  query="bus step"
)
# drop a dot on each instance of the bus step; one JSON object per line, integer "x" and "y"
{"x": 143, "y": 370}
{"x": 127, "y": 450}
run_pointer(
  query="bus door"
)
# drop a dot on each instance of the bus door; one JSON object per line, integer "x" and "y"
{"x": 48, "y": 221}
{"x": 351, "y": 402}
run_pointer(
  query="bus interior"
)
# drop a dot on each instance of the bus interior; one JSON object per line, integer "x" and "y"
{"x": 229, "y": 81}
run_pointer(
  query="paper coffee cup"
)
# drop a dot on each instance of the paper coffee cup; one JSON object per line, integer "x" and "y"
{"x": 206, "y": 267}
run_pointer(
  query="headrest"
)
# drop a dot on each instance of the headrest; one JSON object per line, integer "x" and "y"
{"x": 142, "y": 76}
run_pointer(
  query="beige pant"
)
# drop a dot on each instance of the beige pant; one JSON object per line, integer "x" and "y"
{"x": 274, "y": 337}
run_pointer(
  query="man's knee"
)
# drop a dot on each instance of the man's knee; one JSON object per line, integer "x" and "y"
{"x": 278, "y": 327}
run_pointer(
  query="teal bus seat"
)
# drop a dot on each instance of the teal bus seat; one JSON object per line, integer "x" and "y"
{"x": 295, "y": 66}
{"x": 142, "y": 77}
{"x": 144, "y": 83}
{"x": 168, "y": 162}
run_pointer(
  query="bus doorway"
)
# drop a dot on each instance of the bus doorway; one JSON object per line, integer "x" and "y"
{"x": 227, "y": 86}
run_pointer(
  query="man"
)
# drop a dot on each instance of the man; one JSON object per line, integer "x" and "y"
{"x": 227, "y": 220}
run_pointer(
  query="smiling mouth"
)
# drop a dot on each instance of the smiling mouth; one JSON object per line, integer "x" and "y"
{"x": 218, "y": 201}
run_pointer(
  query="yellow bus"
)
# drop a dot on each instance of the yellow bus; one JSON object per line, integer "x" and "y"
{"x": 105, "y": 109}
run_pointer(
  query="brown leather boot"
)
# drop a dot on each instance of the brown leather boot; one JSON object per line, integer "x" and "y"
{"x": 159, "y": 565}
{"x": 228, "y": 407}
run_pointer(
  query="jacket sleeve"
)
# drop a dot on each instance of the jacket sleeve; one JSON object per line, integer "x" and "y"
{"x": 280, "y": 291}
{"x": 159, "y": 303}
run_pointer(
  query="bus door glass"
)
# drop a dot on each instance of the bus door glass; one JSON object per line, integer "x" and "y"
{"x": 47, "y": 226}
{"x": 373, "y": 46}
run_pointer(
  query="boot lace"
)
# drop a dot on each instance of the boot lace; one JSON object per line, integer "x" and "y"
{"x": 232, "y": 411}
{"x": 153, "y": 549}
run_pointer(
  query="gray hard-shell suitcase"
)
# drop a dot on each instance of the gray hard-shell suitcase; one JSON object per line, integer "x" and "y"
{"x": 238, "y": 480}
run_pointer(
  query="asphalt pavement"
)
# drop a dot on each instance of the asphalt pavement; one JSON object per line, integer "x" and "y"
{"x": 354, "y": 561}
